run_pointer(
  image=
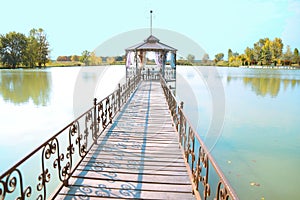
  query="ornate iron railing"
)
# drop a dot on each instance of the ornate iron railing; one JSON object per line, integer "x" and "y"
{"x": 204, "y": 170}
{"x": 49, "y": 167}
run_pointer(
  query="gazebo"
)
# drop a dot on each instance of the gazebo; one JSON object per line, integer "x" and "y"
{"x": 163, "y": 55}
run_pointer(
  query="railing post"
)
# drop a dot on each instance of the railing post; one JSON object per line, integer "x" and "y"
{"x": 128, "y": 88}
{"x": 119, "y": 96}
{"x": 170, "y": 93}
{"x": 135, "y": 81}
{"x": 180, "y": 122}
{"x": 181, "y": 105}
{"x": 95, "y": 121}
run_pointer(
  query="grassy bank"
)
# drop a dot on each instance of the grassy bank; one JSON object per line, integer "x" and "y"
{"x": 64, "y": 64}
{"x": 179, "y": 62}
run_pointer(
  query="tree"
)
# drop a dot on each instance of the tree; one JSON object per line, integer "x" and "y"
{"x": 219, "y": 57}
{"x": 190, "y": 58}
{"x": 296, "y": 56}
{"x": 85, "y": 57}
{"x": 287, "y": 56}
{"x": 243, "y": 59}
{"x": 205, "y": 58}
{"x": 257, "y": 53}
{"x": 119, "y": 58}
{"x": 43, "y": 46}
{"x": 262, "y": 42}
{"x": 276, "y": 50}
{"x": 229, "y": 54}
{"x": 110, "y": 60}
{"x": 31, "y": 55}
{"x": 75, "y": 58}
{"x": 13, "y": 48}
{"x": 94, "y": 60}
{"x": 63, "y": 58}
{"x": 37, "y": 51}
{"x": 249, "y": 56}
{"x": 266, "y": 52}
{"x": 235, "y": 60}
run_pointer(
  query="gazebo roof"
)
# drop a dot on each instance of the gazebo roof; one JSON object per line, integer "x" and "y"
{"x": 151, "y": 44}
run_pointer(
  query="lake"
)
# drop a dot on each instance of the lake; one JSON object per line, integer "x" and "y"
{"x": 248, "y": 117}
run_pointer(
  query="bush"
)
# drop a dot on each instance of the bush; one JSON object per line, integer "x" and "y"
{"x": 222, "y": 63}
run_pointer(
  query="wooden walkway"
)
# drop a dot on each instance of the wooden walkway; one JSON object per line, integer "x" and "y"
{"x": 138, "y": 157}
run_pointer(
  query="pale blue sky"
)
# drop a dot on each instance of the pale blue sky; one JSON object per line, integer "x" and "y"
{"x": 216, "y": 25}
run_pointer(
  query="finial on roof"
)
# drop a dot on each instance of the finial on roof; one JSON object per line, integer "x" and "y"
{"x": 151, "y": 22}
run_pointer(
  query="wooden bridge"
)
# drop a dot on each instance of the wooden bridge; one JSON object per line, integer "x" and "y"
{"x": 137, "y": 143}
{"x": 138, "y": 156}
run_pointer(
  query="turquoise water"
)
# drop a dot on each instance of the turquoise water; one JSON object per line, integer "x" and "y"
{"x": 258, "y": 148}
{"x": 252, "y": 121}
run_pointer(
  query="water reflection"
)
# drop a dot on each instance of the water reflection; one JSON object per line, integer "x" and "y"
{"x": 21, "y": 86}
{"x": 264, "y": 86}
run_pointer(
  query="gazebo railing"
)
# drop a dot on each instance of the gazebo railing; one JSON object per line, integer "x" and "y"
{"x": 49, "y": 167}
{"x": 208, "y": 180}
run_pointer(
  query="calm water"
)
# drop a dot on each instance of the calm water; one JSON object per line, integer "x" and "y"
{"x": 36, "y": 104}
{"x": 259, "y": 148}
{"x": 259, "y": 125}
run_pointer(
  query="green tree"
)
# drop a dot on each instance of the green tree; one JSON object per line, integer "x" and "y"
{"x": 276, "y": 50}
{"x": 249, "y": 56}
{"x": 219, "y": 57}
{"x": 190, "y": 58}
{"x": 13, "y": 48}
{"x": 43, "y": 46}
{"x": 85, "y": 57}
{"x": 37, "y": 51}
{"x": 296, "y": 56}
{"x": 262, "y": 42}
{"x": 235, "y": 61}
{"x": 287, "y": 56}
{"x": 243, "y": 59}
{"x": 229, "y": 54}
{"x": 257, "y": 53}
{"x": 266, "y": 52}
{"x": 31, "y": 54}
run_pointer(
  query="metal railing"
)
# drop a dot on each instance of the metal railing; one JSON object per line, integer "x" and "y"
{"x": 42, "y": 173}
{"x": 205, "y": 172}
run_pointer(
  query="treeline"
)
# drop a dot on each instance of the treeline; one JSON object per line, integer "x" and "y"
{"x": 17, "y": 49}
{"x": 90, "y": 59}
{"x": 264, "y": 52}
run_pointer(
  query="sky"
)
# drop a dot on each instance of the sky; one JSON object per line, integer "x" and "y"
{"x": 216, "y": 25}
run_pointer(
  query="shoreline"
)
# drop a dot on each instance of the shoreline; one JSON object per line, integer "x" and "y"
{"x": 103, "y": 65}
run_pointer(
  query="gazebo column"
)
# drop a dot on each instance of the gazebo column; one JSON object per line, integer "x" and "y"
{"x": 126, "y": 57}
{"x": 164, "y": 58}
{"x": 175, "y": 67}
{"x": 136, "y": 63}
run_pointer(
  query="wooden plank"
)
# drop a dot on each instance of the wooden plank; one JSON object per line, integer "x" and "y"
{"x": 119, "y": 193}
{"x": 134, "y": 162}
{"x": 146, "y": 186}
{"x": 113, "y": 177}
{"x": 170, "y": 171}
{"x": 122, "y": 189}
{"x": 100, "y": 165}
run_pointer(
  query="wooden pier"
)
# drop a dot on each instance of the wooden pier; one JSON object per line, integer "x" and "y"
{"x": 137, "y": 157}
